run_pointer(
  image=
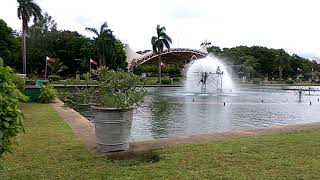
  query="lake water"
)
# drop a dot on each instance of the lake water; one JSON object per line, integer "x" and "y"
{"x": 193, "y": 113}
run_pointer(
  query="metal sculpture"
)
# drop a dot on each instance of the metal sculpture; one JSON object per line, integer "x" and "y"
{"x": 211, "y": 77}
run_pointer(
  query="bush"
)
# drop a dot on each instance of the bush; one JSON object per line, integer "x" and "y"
{"x": 176, "y": 79}
{"x": 47, "y": 94}
{"x": 256, "y": 81}
{"x": 172, "y": 69}
{"x": 289, "y": 81}
{"x": 54, "y": 78}
{"x": 166, "y": 81}
{"x": 145, "y": 68}
{"x": 81, "y": 95}
{"x": 11, "y": 116}
{"x": 123, "y": 89}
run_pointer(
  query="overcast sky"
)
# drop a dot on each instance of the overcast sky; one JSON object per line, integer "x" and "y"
{"x": 293, "y": 25}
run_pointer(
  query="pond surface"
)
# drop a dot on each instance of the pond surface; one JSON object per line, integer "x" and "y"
{"x": 182, "y": 113}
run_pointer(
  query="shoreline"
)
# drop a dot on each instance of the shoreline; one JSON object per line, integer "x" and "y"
{"x": 85, "y": 131}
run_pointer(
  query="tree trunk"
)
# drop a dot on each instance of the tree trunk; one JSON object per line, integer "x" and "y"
{"x": 159, "y": 70}
{"x": 280, "y": 73}
{"x": 104, "y": 61}
{"x": 24, "y": 50}
{"x": 100, "y": 60}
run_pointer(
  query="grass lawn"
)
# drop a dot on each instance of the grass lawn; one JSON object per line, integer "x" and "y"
{"x": 50, "y": 150}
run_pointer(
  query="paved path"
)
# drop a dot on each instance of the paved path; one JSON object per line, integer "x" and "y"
{"x": 84, "y": 129}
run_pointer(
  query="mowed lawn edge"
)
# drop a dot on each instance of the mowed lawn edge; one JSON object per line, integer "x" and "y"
{"x": 50, "y": 150}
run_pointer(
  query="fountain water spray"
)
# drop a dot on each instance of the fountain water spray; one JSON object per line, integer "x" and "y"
{"x": 208, "y": 75}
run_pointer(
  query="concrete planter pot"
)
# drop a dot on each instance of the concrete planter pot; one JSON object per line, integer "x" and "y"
{"x": 113, "y": 128}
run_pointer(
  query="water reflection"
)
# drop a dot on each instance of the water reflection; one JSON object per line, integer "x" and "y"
{"x": 190, "y": 113}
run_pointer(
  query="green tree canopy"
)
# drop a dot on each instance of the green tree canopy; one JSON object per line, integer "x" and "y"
{"x": 9, "y": 45}
{"x": 261, "y": 61}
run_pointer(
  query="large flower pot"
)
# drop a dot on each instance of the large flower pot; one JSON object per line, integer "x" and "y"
{"x": 113, "y": 128}
{"x": 33, "y": 92}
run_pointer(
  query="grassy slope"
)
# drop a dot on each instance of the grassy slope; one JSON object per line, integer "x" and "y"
{"x": 50, "y": 150}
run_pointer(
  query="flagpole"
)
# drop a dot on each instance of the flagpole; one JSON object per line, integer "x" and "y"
{"x": 45, "y": 71}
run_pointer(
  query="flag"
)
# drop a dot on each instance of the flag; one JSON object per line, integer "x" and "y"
{"x": 49, "y": 59}
{"x": 93, "y": 62}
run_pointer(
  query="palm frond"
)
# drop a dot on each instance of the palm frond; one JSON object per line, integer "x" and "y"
{"x": 166, "y": 43}
{"x": 153, "y": 40}
{"x": 163, "y": 35}
{"x": 35, "y": 11}
{"x": 103, "y": 27}
{"x": 159, "y": 46}
{"x": 93, "y": 30}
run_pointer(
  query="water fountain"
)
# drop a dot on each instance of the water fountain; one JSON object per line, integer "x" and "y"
{"x": 208, "y": 75}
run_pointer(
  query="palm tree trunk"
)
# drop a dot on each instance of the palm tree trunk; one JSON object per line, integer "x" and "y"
{"x": 280, "y": 72}
{"x": 104, "y": 60}
{"x": 159, "y": 69}
{"x": 24, "y": 50}
{"x": 100, "y": 60}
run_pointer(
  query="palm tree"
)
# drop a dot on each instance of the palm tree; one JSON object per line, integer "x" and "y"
{"x": 104, "y": 43}
{"x": 158, "y": 42}
{"x": 26, "y": 10}
{"x": 57, "y": 67}
{"x": 282, "y": 59}
{"x": 250, "y": 64}
{"x": 205, "y": 43}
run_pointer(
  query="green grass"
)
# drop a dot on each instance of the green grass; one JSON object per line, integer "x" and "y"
{"x": 50, "y": 150}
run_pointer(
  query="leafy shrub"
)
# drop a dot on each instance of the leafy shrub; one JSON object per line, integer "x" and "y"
{"x": 289, "y": 81}
{"x": 47, "y": 94}
{"x": 176, "y": 79}
{"x": 256, "y": 81}
{"x": 124, "y": 89}
{"x": 20, "y": 83}
{"x": 81, "y": 95}
{"x": 166, "y": 81}
{"x": 54, "y": 78}
{"x": 11, "y": 116}
{"x": 146, "y": 68}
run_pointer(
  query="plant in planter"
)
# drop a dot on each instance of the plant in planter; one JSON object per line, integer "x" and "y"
{"x": 82, "y": 95}
{"x": 118, "y": 94}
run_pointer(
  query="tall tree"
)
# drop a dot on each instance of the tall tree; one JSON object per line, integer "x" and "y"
{"x": 281, "y": 61}
{"x": 26, "y": 10}
{"x": 104, "y": 43}
{"x": 9, "y": 45}
{"x": 40, "y": 36}
{"x": 158, "y": 43}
